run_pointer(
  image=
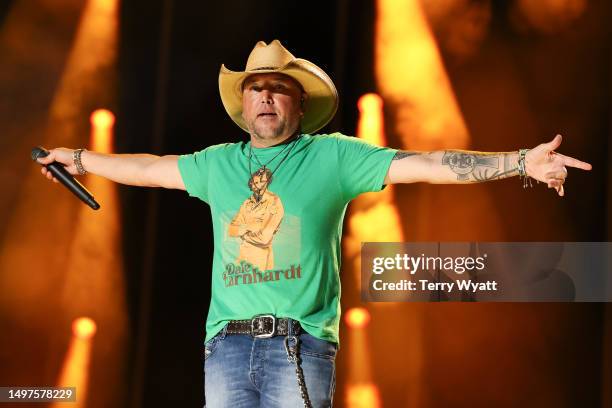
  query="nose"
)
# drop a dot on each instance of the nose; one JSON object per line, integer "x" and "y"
{"x": 266, "y": 97}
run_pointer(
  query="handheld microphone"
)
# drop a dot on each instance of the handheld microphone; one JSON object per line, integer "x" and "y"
{"x": 61, "y": 174}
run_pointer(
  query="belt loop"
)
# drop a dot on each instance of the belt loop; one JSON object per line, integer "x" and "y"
{"x": 290, "y": 327}
{"x": 224, "y": 331}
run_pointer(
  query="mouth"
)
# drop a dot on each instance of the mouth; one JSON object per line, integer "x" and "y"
{"x": 266, "y": 115}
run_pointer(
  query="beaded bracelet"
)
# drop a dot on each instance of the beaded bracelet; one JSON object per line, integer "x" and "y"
{"x": 76, "y": 158}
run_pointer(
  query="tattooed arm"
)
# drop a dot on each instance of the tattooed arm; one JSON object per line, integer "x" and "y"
{"x": 451, "y": 166}
{"x": 542, "y": 163}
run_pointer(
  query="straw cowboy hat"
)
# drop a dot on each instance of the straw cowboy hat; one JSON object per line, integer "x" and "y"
{"x": 322, "y": 101}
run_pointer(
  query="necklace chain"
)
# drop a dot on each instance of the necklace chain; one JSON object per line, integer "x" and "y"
{"x": 264, "y": 166}
{"x": 269, "y": 161}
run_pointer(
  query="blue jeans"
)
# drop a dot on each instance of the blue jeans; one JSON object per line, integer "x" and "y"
{"x": 242, "y": 371}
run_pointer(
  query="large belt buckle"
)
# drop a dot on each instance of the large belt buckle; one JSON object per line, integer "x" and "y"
{"x": 260, "y": 324}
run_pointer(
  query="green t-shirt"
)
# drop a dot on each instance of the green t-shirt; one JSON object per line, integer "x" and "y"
{"x": 277, "y": 250}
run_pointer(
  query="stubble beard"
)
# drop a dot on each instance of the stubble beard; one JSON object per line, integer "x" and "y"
{"x": 268, "y": 132}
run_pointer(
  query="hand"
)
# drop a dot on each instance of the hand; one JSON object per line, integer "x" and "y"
{"x": 60, "y": 155}
{"x": 542, "y": 163}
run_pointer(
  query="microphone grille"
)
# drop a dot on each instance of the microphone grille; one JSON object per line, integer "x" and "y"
{"x": 38, "y": 152}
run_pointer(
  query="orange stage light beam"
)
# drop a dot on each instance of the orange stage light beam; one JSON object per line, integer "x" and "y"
{"x": 102, "y": 122}
{"x": 84, "y": 327}
{"x": 372, "y": 217}
{"x": 102, "y": 119}
{"x": 94, "y": 280}
{"x": 361, "y": 391}
{"x": 75, "y": 369}
{"x": 411, "y": 77}
{"x": 357, "y": 317}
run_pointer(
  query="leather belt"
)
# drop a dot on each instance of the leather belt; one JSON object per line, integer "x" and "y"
{"x": 263, "y": 326}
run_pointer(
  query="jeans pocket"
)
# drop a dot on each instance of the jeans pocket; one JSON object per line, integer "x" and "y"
{"x": 211, "y": 345}
{"x": 315, "y": 347}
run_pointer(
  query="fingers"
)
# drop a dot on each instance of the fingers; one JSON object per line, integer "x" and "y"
{"x": 60, "y": 155}
{"x": 558, "y": 186}
{"x": 48, "y": 174}
{"x": 50, "y": 158}
{"x": 553, "y": 144}
{"x": 567, "y": 161}
{"x": 560, "y": 174}
{"x": 571, "y": 162}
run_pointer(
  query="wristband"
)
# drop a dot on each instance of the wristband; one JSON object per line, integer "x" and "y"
{"x": 522, "y": 170}
{"x": 76, "y": 158}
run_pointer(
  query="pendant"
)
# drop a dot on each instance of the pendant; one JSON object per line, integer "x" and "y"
{"x": 259, "y": 171}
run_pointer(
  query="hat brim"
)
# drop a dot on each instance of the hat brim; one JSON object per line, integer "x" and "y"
{"x": 321, "y": 104}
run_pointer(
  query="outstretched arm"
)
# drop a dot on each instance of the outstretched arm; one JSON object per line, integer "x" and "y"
{"x": 144, "y": 170}
{"x": 542, "y": 163}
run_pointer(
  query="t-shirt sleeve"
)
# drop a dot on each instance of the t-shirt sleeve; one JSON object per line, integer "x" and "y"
{"x": 194, "y": 169}
{"x": 363, "y": 166}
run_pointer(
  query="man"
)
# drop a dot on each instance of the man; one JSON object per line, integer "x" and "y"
{"x": 272, "y": 339}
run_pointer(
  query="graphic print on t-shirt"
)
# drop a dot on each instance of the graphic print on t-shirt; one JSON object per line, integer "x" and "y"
{"x": 256, "y": 226}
